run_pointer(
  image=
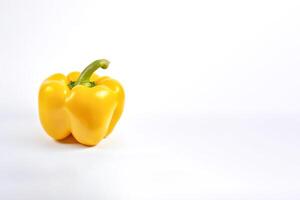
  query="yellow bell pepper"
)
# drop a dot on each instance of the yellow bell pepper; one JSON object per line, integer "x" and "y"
{"x": 81, "y": 104}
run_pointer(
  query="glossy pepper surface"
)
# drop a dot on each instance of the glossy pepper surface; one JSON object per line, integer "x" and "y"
{"x": 82, "y": 104}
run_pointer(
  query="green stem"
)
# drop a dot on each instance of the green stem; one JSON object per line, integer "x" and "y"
{"x": 85, "y": 75}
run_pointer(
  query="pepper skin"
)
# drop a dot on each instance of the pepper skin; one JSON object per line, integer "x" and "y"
{"x": 84, "y": 105}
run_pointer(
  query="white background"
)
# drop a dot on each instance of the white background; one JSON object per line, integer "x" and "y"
{"x": 212, "y": 99}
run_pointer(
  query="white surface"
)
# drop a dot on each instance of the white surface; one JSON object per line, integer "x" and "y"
{"x": 212, "y": 105}
{"x": 158, "y": 157}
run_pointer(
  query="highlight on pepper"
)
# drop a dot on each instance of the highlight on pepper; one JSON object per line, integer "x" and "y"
{"x": 83, "y": 104}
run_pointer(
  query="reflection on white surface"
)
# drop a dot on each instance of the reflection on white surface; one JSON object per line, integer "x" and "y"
{"x": 157, "y": 157}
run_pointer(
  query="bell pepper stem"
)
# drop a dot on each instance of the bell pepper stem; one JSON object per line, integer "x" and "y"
{"x": 85, "y": 75}
{"x": 90, "y": 69}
